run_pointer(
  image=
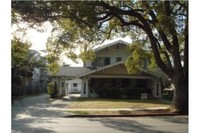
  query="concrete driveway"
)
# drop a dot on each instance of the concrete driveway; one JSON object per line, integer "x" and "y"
{"x": 39, "y": 114}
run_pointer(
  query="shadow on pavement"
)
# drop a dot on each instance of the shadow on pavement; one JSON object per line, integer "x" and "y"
{"x": 24, "y": 128}
{"x": 127, "y": 125}
{"x": 176, "y": 119}
{"x": 31, "y": 114}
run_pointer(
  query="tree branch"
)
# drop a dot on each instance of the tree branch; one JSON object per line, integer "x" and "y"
{"x": 167, "y": 8}
{"x": 145, "y": 26}
{"x": 165, "y": 41}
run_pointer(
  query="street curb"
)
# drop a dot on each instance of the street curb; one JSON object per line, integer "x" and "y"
{"x": 136, "y": 115}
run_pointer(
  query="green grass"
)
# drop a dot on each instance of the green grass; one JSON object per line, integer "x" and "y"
{"x": 96, "y": 103}
{"x": 140, "y": 112}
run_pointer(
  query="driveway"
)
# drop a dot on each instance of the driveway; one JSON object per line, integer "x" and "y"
{"x": 39, "y": 114}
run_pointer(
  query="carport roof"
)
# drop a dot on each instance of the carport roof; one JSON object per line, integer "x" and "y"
{"x": 72, "y": 71}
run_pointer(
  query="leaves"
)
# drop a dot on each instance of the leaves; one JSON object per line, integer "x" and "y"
{"x": 138, "y": 58}
{"x": 19, "y": 52}
{"x": 87, "y": 55}
{"x": 23, "y": 59}
{"x": 160, "y": 23}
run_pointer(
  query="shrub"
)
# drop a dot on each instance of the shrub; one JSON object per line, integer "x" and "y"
{"x": 126, "y": 92}
{"x": 52, "y": 90}
{"x": 168, "y": 94}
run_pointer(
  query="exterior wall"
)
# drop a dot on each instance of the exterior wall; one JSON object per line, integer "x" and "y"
{"x": 120, "y": 71}
{"x": 84, "y": 88}
{"x": 86, "y": 91}
{"x": 157, "y": 93}
{"x": 70, "y": 88}
{"x": 38, "y": 81}
{"x": 113, "y": 52}
{"x": 88, "y": 64}
{"x": 152, "y": 83}
{"x": 60, "y": 82}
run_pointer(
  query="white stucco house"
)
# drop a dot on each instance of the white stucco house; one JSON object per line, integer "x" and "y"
{"x": 73, "y": 86}
{"x": 108, "y": 71}
{"x": 67, "y": 81}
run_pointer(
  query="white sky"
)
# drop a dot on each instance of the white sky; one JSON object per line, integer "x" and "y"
{"x": 39, "y": 39}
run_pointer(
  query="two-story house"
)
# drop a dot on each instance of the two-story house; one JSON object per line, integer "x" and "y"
{"x": 108, "y": 71}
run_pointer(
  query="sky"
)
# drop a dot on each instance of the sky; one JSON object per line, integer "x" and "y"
{"x": 39, "y": 39}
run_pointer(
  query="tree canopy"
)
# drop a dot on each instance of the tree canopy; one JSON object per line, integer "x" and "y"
{"x": 24, "y": 59}
{"x": 160, "y": 26}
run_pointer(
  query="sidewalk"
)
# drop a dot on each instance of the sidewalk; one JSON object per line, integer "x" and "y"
{"x": 127, "y": 112}
{"x": 118, "y": 109}
{"x": 42, "y": 105}
{"x": 41, "y": 114}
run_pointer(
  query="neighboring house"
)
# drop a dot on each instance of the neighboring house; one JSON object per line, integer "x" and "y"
{"x": 67, "y": 81}
{"x": 73, "y": 86}
{"x": 108, "y": 70}
{"x": 39, "y": 80}
{"x": 44, "y": 79}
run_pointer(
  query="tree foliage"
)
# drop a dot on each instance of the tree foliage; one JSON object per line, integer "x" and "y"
{"x": 138, "y": 57}
{"x": 163, "y": 24}
{"x": 19, "y": 57}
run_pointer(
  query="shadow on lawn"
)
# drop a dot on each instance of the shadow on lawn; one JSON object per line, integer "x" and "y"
{"x": 154, "y": 101}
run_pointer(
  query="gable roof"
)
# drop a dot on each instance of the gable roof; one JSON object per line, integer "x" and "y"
{"x": 101, "y": 68}
{"x": 159, "y": 74}
{"x": 72, "y": 71}
{"x": 112, "y": 43}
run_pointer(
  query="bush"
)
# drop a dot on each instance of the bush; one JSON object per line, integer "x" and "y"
{"x": 116, "y": 92}
{"x": 168, "y": 95}
{"x": 52, "y": 89}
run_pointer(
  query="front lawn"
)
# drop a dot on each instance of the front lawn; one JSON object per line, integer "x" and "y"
{"x": 97, "y": 103}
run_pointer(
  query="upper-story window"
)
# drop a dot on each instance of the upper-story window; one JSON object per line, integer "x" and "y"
{"x": 62, "y": 84}
{"x": 118, "y": 59}
{"x": 117, "y": 46}
{"x": 102, "y": 61}
{"x": 146, "y": 63}
{"x": 75, "y": 85}
{"x": 107, "y": 61}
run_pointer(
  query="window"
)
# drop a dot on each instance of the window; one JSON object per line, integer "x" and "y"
{"x": 157, "y": 89}
{"x": 141, "y": 83}
{"x": 84, "y": 91}
{"x": 107, "y": 61}
{"x": 62, "y": 84}
{"x": 117, "y": 46}
{"x": 118, "y": 59}
{"x": 145, "y": 64}
{"x": 75, "y": 85}
{"x": 100, "y": 61}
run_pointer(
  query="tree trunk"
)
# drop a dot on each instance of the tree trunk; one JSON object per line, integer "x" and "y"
{"x": 180, "y": 98}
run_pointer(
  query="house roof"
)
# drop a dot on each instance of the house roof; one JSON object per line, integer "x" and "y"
{"x": 72, "y": 71}
{"x": 101, "y": 68}
{"x": 158, "y": 73}
{"x": 113, "y": 43}
{"x": 155, "y": 73}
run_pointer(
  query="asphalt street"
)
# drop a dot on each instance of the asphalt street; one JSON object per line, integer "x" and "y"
{"x": 39, "y": 114}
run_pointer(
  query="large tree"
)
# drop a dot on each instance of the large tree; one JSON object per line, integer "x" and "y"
{"x": 163, "y": 24}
